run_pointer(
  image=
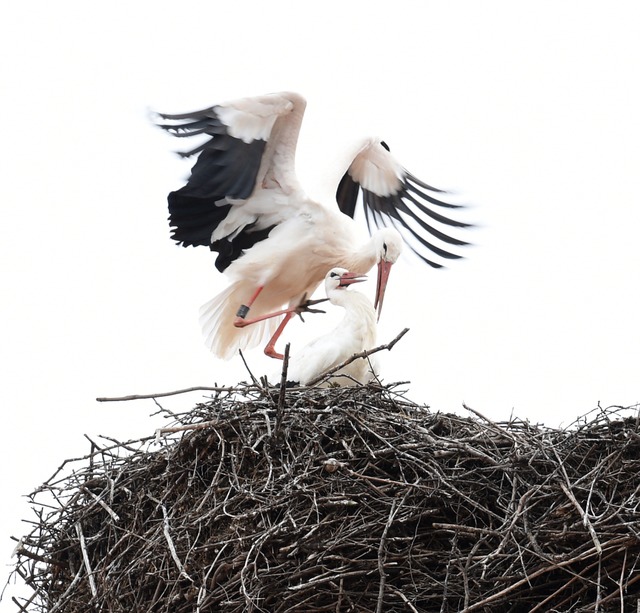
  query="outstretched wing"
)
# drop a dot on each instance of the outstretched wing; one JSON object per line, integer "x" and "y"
{"x": 392, "y": 195}
{"x": 249, "y": 143}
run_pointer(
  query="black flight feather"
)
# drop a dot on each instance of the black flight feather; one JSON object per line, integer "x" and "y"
{"x": 225, "y": 169}
{"x": 410, "y": 201}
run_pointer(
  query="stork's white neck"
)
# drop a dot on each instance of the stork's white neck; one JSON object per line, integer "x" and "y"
{"x": 363, "y": 259}
{"x": 359, "y": 317}
{"x": 385, "y": 243}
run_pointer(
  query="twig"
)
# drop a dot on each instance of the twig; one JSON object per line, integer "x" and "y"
{"x": 21, "y": 550}
{"x": 69, "y": 590}
{"x": 463, "y": 529}
{"x": 381, "y": 551}
{"x": 585, "y": 518}
{"x": 356, "y": 356}
{"x": 621, "y": 583}
{"x": 283, "y": 388}
{"x": 326, "y": 579}
{"x": 185, "y": 428}
{"x": 102, "y": 503}
{"x": 85, "y": 558}
{"x": 167, "y": 536}
{"x": 620, "y": 594}
{"x": 404, "y": 599}
{"x": 255, "y": 381}
{"x": 493, "y": 425}
{"x": 23, "y": 607}
{"x": 163, "y": 394}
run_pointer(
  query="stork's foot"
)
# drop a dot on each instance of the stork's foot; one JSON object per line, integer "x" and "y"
{"x": 305, "y": 306}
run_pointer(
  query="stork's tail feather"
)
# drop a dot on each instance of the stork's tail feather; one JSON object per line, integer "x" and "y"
{"x": 221, "y": 336}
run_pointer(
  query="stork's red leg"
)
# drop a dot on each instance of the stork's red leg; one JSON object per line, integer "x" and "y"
{"x": 270, "y": 349}
{"x": 304, "y": 307}
{"x": 243, "y": 310}
{"x": 240, "y": 322}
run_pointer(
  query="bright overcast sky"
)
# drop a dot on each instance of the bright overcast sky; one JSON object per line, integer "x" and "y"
{"x": 529, "y": 111}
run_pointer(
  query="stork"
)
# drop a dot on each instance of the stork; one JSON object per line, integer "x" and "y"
{"x": 243, "y": 201}
{"x": 354, "y": 334}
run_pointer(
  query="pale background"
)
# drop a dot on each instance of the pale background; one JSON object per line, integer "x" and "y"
{"x": 528, "y": 110}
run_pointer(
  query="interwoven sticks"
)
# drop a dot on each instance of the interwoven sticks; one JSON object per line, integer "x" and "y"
{"x": 356, "y": 499}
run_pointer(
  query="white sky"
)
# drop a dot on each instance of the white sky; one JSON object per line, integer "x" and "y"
{"x": 528, "y": 110}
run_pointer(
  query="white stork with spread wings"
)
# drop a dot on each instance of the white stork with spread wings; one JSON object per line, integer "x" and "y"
{"x": 243, "y": 201}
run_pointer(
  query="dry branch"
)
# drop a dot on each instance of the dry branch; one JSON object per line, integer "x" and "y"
{"x": 356, "y": 356}
{"x": 359, "y": 500}
{"x": 186, "y": 390}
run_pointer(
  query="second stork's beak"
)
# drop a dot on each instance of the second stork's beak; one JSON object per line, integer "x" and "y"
{"x": 384, "y": 268}
{"x": 348, "y": 278}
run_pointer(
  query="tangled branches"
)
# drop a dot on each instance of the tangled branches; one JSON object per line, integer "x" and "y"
{"x": 350, "y": 499}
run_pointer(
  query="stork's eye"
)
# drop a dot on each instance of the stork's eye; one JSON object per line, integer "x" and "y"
{"x": 334, "y": 274}
{"x": 384, "y": 246}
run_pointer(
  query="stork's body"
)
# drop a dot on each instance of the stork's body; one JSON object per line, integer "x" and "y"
{"x": 296, "y": 273}
{"x": 243, "y": 200}
{"x": 354, "y": 334}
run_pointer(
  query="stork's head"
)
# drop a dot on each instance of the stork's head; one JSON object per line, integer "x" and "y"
{"x": 388, "y": 244}
{"x": 340, "y": 279}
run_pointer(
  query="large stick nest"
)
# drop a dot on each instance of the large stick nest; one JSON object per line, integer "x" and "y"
{"x": 350, "y": 499}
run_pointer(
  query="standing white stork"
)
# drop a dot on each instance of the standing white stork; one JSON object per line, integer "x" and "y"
{"x": 355, "y": 333}
{"x": 243, "y": 201}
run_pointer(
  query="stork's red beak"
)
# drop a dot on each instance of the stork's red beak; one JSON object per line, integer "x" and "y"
{"x": 348, "y": 278}
{"x": 384, "y": 268}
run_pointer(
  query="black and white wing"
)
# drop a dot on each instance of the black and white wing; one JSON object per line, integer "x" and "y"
{"x": 393, "y": 196}
{"x": 236, "y": 156}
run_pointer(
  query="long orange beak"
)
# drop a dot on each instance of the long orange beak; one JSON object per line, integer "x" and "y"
{"x": 348, "y": 278}
{"x": 384, "y": 269}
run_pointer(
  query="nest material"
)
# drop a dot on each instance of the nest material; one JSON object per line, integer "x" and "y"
{"x": 350, "y": 499}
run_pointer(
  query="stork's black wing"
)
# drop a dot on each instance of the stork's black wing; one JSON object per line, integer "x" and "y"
{"x": 393, "y": 196}
{"x": 227, "y": 169}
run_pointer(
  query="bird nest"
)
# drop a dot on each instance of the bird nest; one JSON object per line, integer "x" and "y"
{"x": 342, "y": 499}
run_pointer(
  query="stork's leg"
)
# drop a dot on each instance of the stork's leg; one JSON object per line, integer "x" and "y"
{"x": 304, "y": 307}
{"x": 270, "y": 349}
{"x": 243, "y": 310}
{"x": 240, "y": 322}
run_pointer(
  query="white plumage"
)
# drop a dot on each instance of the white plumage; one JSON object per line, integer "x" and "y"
{"x": 354, "y": 334}
{"x": 243, "y": 201}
